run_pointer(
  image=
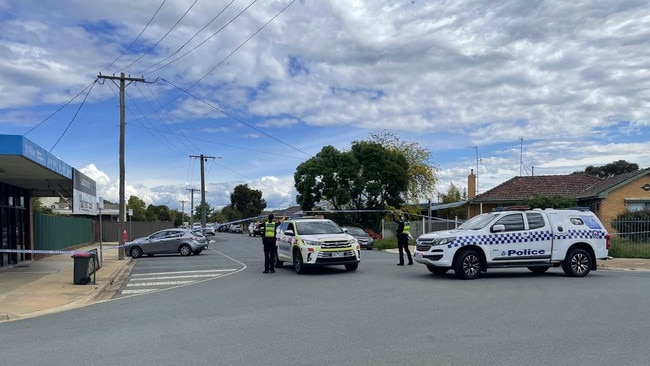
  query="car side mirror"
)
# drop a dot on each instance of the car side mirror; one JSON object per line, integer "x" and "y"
{"x": 498, "y": 228}
{"x": 289, "y": 233}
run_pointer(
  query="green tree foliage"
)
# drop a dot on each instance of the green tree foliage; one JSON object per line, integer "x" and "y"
{"x": 609, "y": 170}
{"x": 198, "y": 212}
{"x": 39, "y": 207}
{"x": 231, "y": 214}
{"x": 160, "y": 213}
{"x": 247, "y": 201}
{"x": 368, "y": 177}
{"x": 139, "y": 208}
{"x": 633, "y": 225}
{"x": 421, "y": 175}
{"x": 543, "y": 202}
{"x": 453, "y": 195}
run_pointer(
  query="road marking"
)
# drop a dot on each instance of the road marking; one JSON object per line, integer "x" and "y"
{"x": 161, "y": 283}
{"x": 140, "y": 291}
{"x": 179, "y": 276}
{"x": 180, "y": 272}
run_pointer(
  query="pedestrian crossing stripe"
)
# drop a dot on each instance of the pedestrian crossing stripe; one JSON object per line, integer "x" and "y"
{"x": 139, "y": 291}
{"x": 181, "y": 272}
{"x": 161, "y": 283}
{"x": 179, "y": 276}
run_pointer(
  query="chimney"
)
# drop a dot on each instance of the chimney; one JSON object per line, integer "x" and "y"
{"x": 471, "y": 185}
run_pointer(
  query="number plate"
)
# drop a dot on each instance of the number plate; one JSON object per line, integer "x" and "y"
{"x": 337, "y": 254}
{"x": 418, "y": 255}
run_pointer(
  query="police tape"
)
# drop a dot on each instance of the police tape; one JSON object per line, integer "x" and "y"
{"x": 48, "y": 251}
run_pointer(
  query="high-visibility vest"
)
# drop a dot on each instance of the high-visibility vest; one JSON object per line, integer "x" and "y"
{"x": 407, "y": 227}
{"x": 269, "y": 229}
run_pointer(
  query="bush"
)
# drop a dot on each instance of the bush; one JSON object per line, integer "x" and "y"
{"x": 384, "y": 244}
{"x": 633, "y": 226}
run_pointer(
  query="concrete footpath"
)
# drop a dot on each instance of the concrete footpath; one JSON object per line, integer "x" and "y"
{"x": 46, "y": 285}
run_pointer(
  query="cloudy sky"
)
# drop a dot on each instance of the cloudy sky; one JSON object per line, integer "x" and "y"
{"x": 508, "y": 87}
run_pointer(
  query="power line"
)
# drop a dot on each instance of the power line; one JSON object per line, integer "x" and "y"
{"x": 190, "y": 40}
{"x": 163, "y": 37}
{"x": 136, "y": 38}
{"x": 60, "y": 108}
{"x": 75, "y": 116}
{"x": 235, "y": 118}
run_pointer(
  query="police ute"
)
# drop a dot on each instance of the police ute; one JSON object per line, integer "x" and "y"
{"x": 536, "y": 239}
{"x": 313, "y": 242}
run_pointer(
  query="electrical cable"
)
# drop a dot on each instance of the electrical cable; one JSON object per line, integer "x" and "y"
{"x": 75, "y": 116}
{"x": 136, "y": 38}
{"x": 143, "y": 72}
{"x": 162, "y": 38}
{"x": 60, "y": 108}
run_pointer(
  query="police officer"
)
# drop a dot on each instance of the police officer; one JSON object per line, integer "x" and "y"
{"x": 268, "y": 241}
{"x": 403, "y": 227}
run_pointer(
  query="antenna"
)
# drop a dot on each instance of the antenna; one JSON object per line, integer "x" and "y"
{"x": 477, "y": 161}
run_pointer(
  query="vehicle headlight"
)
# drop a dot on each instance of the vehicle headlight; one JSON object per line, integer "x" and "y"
{"x": 443, "y": 241}
{"x": 312, "y": 243}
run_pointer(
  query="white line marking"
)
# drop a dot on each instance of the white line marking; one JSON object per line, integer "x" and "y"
{"x": 141, "y": 291}
{"x": 179, "y": 272}
{"x": 172, "y": 277}
{"x": 162, "y": 283}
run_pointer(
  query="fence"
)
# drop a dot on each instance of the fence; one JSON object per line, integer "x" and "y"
{"x": 631, "y": 239}
{"x": 61, "y": 232}
{"x": 135, "y": 229}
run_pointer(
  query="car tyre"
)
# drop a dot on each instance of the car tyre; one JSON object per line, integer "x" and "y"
{"x": 577, "y": 263}
{"x": 437, "y": 270}
{"x": 468, "y": 265}
{"x": 185, "y": 250}
{"x": 351, "y": 267}
{"x": 538, "y": 270}
{"x": 136, "y": 252}
{"x": 298, "y": 264}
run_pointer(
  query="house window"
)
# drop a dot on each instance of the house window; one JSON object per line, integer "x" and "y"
{"x": 638, "y": 206}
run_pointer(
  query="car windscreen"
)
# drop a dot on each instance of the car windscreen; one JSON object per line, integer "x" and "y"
{"x": 317, "y": 227}
{"x": 478, "y": 222}
{"x": 356, "y": 231}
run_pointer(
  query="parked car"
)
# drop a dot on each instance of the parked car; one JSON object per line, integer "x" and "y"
{"x": 366, "y": 241}
{"x": 167, "y": 241}
{"x": 209, "y": 229}
{"x": 236, "y": 228}
{"x": 254, "y": 229}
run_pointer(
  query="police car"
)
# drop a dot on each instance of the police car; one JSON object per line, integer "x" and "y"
{"x": 536, "y": 239}
{"x": 312, "y": 242}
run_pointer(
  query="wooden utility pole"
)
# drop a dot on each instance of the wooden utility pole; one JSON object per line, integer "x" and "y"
{"x": 192, "y": 206}
{"x": 123, "y": 79}
{"x": 203, "y": 158}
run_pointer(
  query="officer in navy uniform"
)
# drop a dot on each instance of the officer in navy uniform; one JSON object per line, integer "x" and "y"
{"x": 268, "y": 240}
{"x": 403, "y": 227}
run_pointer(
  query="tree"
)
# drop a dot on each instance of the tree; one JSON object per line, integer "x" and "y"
{"x": 198, "y": 212}
{"x": 421, "y": 175}
{"x": 39, "y": 207}
{"x": 248, "y": 202}
{"x": 368, "y": 177}
{"x": 453, "y": 195}
{"x": 160, "y": 213}
{"x": 609, "y": 170}
{"x": 543, "y": 202}
{"x": 139, "y": 208}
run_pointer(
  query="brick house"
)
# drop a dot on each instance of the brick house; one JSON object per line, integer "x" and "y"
{"x": 606, "y": 197}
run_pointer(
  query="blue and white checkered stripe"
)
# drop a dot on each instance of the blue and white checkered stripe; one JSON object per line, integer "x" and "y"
{"x": 523, "y": 237}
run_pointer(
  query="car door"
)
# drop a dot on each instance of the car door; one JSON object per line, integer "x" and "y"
{"x": 155, "y": 243}
{"x": 540, "y": 237}
{"x": 173, "y": 240}
{"x": 510, "y": 244}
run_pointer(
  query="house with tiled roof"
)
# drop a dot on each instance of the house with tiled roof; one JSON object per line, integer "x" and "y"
{"x": 606, "y": 197}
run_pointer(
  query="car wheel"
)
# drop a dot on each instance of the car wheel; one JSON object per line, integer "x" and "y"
{"x": 577, "y": 263}
{"x": 437, "y": 270}
{"x": 185, "y": 249}
{"x": 351, "y": 267}
{"x": 298, "y": 265}
{"x": 538, "y": 269}
{"x": 468, "y": 265}
{"x": 136, "y": 252}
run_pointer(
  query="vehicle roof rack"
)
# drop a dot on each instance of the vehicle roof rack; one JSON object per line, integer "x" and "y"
{"x": 511, "y": 208}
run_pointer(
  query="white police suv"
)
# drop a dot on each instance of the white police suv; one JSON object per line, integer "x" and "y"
{"x": 536, "y": 239}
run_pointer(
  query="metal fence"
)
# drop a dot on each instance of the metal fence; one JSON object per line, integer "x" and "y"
{"x": 135, "y": 229}
{"x": 631, "y": 239}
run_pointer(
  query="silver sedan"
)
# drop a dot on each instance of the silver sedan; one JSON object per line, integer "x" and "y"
{"x": 167, "y": 241}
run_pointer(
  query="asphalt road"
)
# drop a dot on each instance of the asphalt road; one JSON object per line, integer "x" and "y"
{"x": 381, "y": 314}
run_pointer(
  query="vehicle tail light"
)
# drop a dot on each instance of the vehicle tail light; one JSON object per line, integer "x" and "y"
{"x": 607, "y": 237}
